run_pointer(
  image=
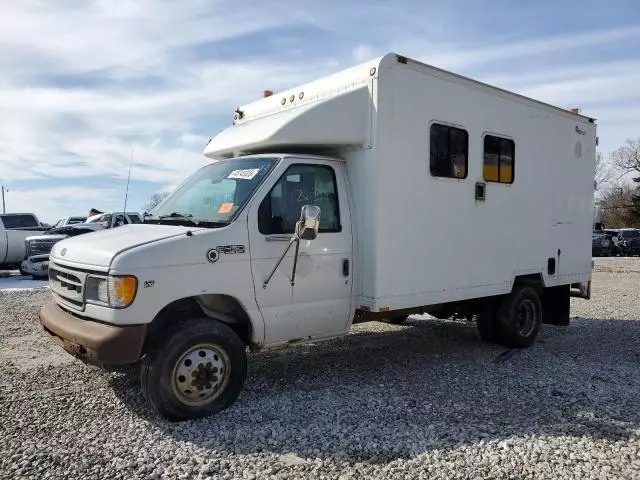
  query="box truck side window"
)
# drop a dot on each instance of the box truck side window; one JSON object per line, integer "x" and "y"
{"x": 498, "y": 159}
{"x": 449, "y": 151}
{"x": 300, "y": 185}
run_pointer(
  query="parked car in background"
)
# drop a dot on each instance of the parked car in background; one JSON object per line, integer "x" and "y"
{"x": 600, "y": 244}
{"x": 69, "y": 221}
{"x": 37, "y": 248}
{"x": 14, "y": 229}
{"x": 612, "y": 233}
{"x": 115, "y": 219}
{"x": 628, "y": 241}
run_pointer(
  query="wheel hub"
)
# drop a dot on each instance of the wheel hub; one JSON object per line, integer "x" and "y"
{"x": 200, "y": 374}
{"x": 526, "y": 318}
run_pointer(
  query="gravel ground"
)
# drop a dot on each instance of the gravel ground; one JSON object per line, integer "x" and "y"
{"x": 421, "y": 400}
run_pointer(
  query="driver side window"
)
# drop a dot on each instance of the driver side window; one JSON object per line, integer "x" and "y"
{"x": 300, "y": 185}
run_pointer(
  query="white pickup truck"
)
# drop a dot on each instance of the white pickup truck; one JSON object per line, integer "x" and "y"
{"x": 325, "y": 207}
{"x": 14, "y": 229}
{"x": 36, "y": 262}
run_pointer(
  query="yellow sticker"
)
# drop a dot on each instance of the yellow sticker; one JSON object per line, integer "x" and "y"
{"x": 225, "y": 208}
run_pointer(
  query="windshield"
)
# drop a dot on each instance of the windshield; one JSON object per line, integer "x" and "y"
{"x": 215, "y": 193}
{"x": 631, "y": 234}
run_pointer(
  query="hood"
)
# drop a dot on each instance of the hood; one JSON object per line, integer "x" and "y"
{"x": 100, "y": 247}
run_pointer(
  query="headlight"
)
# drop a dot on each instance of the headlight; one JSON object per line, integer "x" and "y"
{"x": 114, "y": 292}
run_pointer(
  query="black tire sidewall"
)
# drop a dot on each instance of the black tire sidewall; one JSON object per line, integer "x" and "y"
{"x": 158, "y": 369}
{"x": 506, "y": 318}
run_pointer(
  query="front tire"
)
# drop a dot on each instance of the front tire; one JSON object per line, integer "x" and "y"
{"x": 519, "y": 318}
{"x": 198, "y": 370}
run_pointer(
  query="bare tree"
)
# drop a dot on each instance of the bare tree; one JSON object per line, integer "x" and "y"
{"x": 155, "y": 199}
{"x": 615, "y": 203}
{"x": 627, "y": 158}
{"x": 603, "y": 178}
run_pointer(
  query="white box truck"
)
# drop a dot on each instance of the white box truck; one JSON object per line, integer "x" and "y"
{"x": 387, "y": 189}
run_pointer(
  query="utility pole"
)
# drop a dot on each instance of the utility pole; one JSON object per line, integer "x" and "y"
{"x": 4, "y": 210}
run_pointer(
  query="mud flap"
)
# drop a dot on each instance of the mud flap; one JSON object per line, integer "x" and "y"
{"x": 581, "y": 290}
{"x": 556, "y": 302}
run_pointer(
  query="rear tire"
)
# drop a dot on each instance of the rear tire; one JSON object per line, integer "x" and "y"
{"x": 519, "y": 318}
{"x": 197, "y": 370}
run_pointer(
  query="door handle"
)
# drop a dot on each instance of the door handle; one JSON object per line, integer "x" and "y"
{"x": 345, "y": 267}
{"x": 278, "y": 238}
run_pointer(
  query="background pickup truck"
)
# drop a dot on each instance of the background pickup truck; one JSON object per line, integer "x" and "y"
{"x": 37, "y": 247}
{"x": 14, "y": 229}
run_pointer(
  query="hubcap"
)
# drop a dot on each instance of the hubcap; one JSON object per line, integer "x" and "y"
{"x": 526, "y": 318}
{"x": 201, "y": 374}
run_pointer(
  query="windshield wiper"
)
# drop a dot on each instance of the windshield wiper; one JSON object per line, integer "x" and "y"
{"x": 180, "y": 217}
{"x": 187, "y": 217}
{"x": 176, "y": 215}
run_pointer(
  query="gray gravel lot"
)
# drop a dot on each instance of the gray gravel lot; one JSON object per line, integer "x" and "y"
{"x": 421, "y": 400}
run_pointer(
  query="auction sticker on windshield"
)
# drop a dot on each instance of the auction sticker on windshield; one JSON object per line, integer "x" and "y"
{"x": 244, "y": 174}
{"x": 225, "y": 208}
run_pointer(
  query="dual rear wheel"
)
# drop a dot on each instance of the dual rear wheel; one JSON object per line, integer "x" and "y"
{"x": 515, "y": 320}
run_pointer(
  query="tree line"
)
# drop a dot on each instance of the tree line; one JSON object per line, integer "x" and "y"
{"x": 618, "y": 198}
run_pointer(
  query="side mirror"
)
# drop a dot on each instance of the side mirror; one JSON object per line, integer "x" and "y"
{"x": 309, "y": 223}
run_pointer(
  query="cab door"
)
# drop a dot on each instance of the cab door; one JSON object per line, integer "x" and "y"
{"x": 318, "y": 303}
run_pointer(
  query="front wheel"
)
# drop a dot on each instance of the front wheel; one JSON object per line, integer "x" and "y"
{"x": 198, "y": 370}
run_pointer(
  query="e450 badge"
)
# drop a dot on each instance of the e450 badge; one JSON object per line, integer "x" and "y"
{"x": 214, "y": 254}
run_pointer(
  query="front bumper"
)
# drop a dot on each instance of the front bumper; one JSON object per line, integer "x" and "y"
{"x": 37, "y": 265}
{"x": 94, "y": 342}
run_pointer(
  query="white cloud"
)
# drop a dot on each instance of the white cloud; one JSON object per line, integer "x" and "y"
{"x": 362, "y": 53}
{"x": 450, "y": 57}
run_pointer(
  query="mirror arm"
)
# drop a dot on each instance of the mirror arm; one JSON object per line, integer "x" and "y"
{"x": 295, "y": 262}
{"x": 266, "y": 282}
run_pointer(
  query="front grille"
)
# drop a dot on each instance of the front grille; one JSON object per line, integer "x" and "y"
{"x": 67, "y": 284}
{"x": 39, "y": 247}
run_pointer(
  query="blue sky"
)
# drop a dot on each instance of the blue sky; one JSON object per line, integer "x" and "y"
{"x": 83, "y": 82}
